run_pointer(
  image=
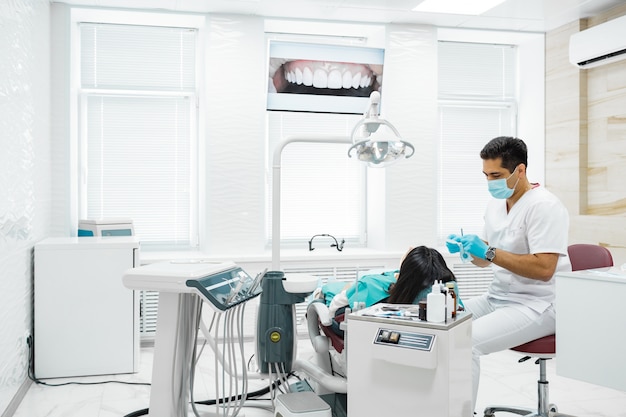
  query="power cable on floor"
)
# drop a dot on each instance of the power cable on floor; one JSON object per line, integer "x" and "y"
{"x": 31, "y": 373}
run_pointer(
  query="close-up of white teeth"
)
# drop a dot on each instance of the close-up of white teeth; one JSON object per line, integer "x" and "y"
{"x": 299, "y": 76}
{"x": 347, "y": 79}
{"x": 322, "y": 78}
{"x": 356, "y": 80}
{"x": 307, "y": 77}
{"x": 335, "y": 80}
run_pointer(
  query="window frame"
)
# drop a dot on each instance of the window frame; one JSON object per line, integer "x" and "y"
{"x": 360, "y": 240}
{"x": 77, "y": 103}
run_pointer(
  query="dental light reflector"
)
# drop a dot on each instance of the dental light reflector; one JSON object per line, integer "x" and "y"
{"x": 383, "y": 148}
{"x": 381, "y": 153}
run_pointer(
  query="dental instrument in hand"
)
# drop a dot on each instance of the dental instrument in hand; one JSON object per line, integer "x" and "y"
{"x": 465, "y": 257}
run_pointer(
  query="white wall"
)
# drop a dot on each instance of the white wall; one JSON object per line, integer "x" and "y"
{"x": 403, "y": 209}
{"x": 236, "y": 80}
{"x": 25, "y": 202}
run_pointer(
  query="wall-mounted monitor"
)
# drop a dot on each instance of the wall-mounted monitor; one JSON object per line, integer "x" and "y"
{"x": 322, "y": 78}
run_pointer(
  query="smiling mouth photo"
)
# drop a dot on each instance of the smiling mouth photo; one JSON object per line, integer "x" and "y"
{"x": 324, "y": 77}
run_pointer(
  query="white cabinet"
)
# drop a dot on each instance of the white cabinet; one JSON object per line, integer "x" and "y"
{"x": 414, "y": 367}
{"x": 590, "y": 323}
{"x": 86, "y": 321}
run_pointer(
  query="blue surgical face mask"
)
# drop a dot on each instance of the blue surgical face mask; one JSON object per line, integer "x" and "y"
{"x": 499, "y": 188}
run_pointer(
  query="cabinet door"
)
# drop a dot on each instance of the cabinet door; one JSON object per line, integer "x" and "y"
{"x": 84, "y": 316}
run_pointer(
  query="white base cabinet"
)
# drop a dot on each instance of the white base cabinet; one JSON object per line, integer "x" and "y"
{"x": 86, "y": 321}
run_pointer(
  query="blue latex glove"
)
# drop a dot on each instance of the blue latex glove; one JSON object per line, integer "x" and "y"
{"x": 453, "y": 247}
{"x": 474, "y": 245}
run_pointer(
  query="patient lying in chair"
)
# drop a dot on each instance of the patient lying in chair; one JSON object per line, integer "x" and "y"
{"x": 420, "y": 268}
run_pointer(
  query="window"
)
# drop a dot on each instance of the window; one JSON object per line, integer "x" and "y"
{"x": 138, "y": 129}
{"x": 322, "y": 191}
{"x": 477, "y": 102}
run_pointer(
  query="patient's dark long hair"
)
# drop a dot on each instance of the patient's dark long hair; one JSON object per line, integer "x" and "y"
{"x": 421, "y": 267}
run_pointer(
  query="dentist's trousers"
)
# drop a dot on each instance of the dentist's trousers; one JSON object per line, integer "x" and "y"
{"x": 498, "y": 325}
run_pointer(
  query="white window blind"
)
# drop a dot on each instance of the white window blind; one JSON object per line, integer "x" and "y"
{"x": 477, "y": 102}
{"x": 322, "y": 190}
{"x": 139, "y": 129}
{"x": 137, "y": 57}
{"x": 477, "y": 71}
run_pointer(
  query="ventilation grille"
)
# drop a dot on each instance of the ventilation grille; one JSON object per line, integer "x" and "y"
{"x": 607, "y": 57}
{"x": 471, "y": 279}
{"x": 149, "y": 304}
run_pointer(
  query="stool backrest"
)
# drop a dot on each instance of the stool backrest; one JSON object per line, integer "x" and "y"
{"x": 589, "y": 256}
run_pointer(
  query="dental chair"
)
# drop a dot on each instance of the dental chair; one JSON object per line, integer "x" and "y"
{"x": 329, "y": 350}
{"x": 326, "y": 334}
{"x": 582, "y": 256}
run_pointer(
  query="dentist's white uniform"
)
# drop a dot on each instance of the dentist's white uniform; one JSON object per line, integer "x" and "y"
{"x": 516, "y": 310}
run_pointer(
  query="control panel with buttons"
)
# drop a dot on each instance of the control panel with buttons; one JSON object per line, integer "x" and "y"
{"x": 404, "y": 339}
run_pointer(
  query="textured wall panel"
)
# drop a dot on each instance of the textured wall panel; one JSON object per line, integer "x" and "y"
{"x": 235, "y": 134}
{"x": 409, "y": 101}
{"x": 23, "y": 126}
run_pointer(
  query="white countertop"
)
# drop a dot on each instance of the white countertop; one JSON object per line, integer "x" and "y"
{"x": 614, "y": 274}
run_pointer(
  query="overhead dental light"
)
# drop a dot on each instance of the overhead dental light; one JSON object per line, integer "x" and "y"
{"x": 377, "y": 148}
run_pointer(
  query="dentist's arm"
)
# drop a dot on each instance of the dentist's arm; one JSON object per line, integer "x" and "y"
{"x": 540, "y": 266}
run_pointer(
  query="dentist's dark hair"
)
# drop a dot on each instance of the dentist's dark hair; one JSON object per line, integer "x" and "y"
{"x": 419, "y": 270}
{"x": 513, "y": 152}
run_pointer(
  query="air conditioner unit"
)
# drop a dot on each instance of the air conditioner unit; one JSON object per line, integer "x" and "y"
{"x": 599, "y": 45}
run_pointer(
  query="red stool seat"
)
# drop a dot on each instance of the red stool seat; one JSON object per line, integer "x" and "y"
{"x": 544, "y": 345}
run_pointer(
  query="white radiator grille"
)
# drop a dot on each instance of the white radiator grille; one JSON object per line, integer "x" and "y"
{"x": 472, "y": 280}
{"x": 149, "y": 303}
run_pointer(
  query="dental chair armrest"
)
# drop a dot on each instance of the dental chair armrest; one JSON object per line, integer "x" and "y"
{"x": 318, "y": 313}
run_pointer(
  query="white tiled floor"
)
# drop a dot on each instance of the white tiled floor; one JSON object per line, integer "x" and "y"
{"x": 504, "y": 381}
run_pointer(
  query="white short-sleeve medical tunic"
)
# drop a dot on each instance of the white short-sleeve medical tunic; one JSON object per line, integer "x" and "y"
{"x": 537, "y": 223}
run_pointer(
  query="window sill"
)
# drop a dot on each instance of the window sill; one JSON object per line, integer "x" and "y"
{"x": 287, "y": 255}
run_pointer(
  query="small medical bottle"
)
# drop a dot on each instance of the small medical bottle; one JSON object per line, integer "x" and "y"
{"x": 436, "y": 305}
{"x": 423, "y": 307}
{"x": 455, "y": 301}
